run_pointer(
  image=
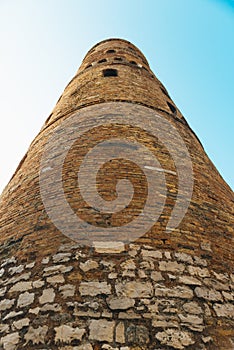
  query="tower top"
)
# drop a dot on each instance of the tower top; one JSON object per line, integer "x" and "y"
{"x": 118, "y": 43}
{"x": 118, "y": 50}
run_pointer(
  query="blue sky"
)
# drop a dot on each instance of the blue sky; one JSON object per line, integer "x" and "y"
{"x": 188, "y": 43}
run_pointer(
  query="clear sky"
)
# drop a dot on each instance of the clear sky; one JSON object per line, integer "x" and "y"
{"x": 188, "y": 43}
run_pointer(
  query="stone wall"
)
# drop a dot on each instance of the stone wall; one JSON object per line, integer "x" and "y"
{"x": 137, "y": 298}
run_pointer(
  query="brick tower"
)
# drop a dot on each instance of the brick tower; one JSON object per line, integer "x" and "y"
{"x": 170, "y": 287}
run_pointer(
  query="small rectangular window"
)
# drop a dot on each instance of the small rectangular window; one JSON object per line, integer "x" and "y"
{"x": 110, "y": 73}
{"x": 110, "y": 51}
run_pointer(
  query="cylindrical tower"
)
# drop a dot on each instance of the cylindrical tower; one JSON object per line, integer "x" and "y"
{"x": 116, "y": 230}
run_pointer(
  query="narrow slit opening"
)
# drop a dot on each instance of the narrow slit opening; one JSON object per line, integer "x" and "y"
{"x": 172, "y": 108}
{"x": 165, "y": 92}
{"x": 110, "y": 51}
{"x": 118, "y": 59}
{"x": 103, "y": 60}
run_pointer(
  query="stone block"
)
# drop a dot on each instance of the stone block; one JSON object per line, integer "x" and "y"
{"x": 94, "y": 288}
{"x": 134, "y": 289}
{"x": 101, "y": 330}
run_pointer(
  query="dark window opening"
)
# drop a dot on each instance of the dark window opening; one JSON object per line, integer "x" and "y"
{"x": 172, "y": 108}
{"x": 130, "y": 48}
{"x": 145, "y": 68}
{"x": 89, "y": 66}
{"x": 102, "y": 61}
{"x": 165, "y": 92}
{"x": 110, "y": 51}
{"x": 133, "y": 62}
{"x": 110, "y": 73}
{"x": 118, "y": 59}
